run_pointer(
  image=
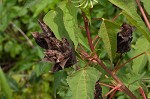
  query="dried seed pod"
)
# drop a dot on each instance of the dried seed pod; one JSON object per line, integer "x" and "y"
{"x": 58, "y": 52}
{"x": 124, "y": 38}
{"x": 46, "y": 29}
{"x": 40, "y": 40}
{"x": 98, "y": 91}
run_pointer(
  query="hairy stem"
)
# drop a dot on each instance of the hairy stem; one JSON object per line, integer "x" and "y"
{"x": 143, "y": 14}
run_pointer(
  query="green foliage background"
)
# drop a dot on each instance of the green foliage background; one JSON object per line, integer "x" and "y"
{"x": 24, "y": 76}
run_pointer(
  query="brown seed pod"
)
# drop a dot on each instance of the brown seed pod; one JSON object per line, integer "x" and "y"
{"x": 58, "y": 52}
{"x": 124, "y": 38}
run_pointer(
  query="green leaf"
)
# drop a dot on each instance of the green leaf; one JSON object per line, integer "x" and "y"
{"x": 140, "y": 47}
{"x": 82, "y": 82}
{"x": 133, "y": 80}
{"x": 84, "y": 41}
{"x": 54, "y": 19}
{"x": 146, "y": 5}
{"x": 138, "y": 26}
{"x": 130, "y": 12}
{"x": 58, "y": 77}
{"x": 8, "y": 46}
{"x": 63, "y": 22}
{"x": 108, "y": 33}
{"x": 64, "y": 91}
{"x": 70, "y": 21}
{"x": 30, "y": 3}
{"x": 4, "y": 85}
{"x": 42, "y": 67}
{"x": 148, "y": 55}
{"x": 40, "y": 5}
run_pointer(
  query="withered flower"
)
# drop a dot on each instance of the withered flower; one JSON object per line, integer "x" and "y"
{"x": 124, "y": 38}
{"x": 98, "y": 91}
{"x": 58, "y": 52}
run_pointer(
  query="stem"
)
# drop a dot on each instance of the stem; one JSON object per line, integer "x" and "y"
{"x": 122, "y": 86}
{"x": 97, "y": 19}
{"x": 116, "y": 69}
{"x": 115, "y": 88}
{"x": 113, "y": 93}
{"x": 116, "y": 17}
{"x": 143, "y": 14}
{"x": 29, "y": 41}
{"x": 86, "y": 23}
{"x": 95, "y": 38}
{"x": 106, "y": 85}
{"x": 142, "y": 92}
{"x": 96, "y": 42}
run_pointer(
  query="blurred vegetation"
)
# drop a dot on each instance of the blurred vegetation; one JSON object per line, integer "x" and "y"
{"x": 20, "y": 57}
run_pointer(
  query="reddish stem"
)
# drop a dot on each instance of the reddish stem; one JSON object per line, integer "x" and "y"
{"x": 106, "y": 85}
{"x": 113, "y": 93}
{"x": 96, "y": 42}
{"x": 86, "y": 23}
{"x": 116, "y": 69}
{"x": 95, "y": 38}
{"x": 116, "y": 17}
{"x": 122, "y": 87}
{"x": 115, "y": 88}
{"x": 143, "y": 14}
{"x": 97, "y": 19}
{"x": 142, "y": 92}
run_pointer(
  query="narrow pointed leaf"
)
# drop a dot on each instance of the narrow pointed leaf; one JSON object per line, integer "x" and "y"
{"x": 129, "y": 8}
{"x": 146, "y": 5}
{"x": 54, "y": 19}
{"x": 82, "y": 83}
{"x": 4, "y": 85}
{"x": 140, "y": 47}
{"x": 70, "y": 21}
{"x": 138, "y": 26}
{"x": 108, "y": 33}
{"x": 63, "y": 22}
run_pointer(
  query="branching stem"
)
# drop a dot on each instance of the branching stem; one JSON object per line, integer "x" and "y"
{"x": 121, "y": 85}
{"x": 143, "y": 14}
{"x": 115, "y": 88}
{"x": 117, "y": 68}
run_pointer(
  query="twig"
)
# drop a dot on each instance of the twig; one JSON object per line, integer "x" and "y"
{"x": 97, "y": 19}
{"x": 95, "y": 38}
{"x": 29, "y": 41}
{"x": 116, "y": 69}
{"x": 143, "y": 14}
{"x": 116, "y": 17}
{"x": 96, "y": 42}
{"x": 113, "y": 93}
{"x": 86, "y": 23}
{"x": 142, "y": 92}
{"x": 115, "y": 88}
{"x": 106, "y": 85}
